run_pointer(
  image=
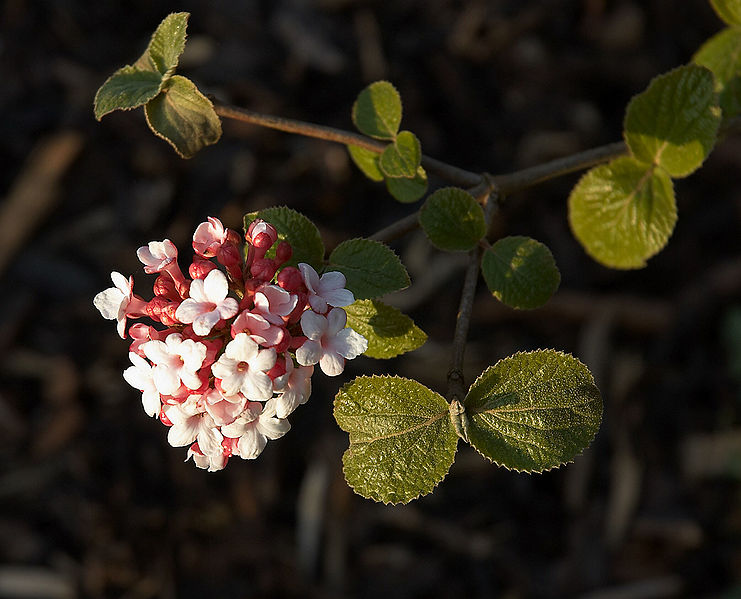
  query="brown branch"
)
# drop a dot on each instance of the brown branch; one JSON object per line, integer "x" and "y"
{"x": 456, "y": 382}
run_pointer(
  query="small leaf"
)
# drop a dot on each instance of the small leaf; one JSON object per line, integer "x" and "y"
{"x": 623, "y": 212}
{"x": 533, "y": 411}
{"x": 377, "y": 111}
{"x": 520, "y": 272}
{"x": 674, "y": 123}
{"x": 728, "y": 10}
{"x": 127, "y": 88}
{"x": 366, "y": 161}
{"x": 371, "y": 268}
{"x": 722, "y": 55}
{"x": 453, "y": 220}
{"x": 388, "y": 331}
{"x": 183, "y": 116}
{"x": 402, "y": 441}
{"x": 297, "y": 230}
{"x": 406, "y": 190}
{"x": 166, "y": 45}
{"x": 402, "y": 157}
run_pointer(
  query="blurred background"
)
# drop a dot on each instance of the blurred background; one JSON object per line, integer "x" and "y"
{"x": 94, "y": 503}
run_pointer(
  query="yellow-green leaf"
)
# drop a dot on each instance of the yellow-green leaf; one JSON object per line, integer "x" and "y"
{"x": 623, "y": 212}
{"x": 377, "y": 110}
{"x": 388, "y": 331}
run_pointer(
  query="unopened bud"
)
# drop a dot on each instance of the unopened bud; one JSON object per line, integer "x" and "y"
{"x": 200, "y": 268}
{"x": 263, "y": 269}
{"x": 283, "y": 252}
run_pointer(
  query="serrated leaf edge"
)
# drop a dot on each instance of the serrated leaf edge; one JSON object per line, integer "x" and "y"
{"x": 344, "y": 472}
{"x": 354, "y": 109}
{"x": 327, "y": 266}
{"x": 98, "y": 117}
{"x": 556, "y": 466}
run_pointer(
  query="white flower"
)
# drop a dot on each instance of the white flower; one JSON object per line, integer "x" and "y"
{"x": 190, "y": 423}
{"x": 327, "y": 290}
{"x": 259, "y": 329}
{"x": 243, "y": 367}
{"x": 207, "y": 303}
{"x": 254, "y": 427}
{"x": 113, "y": 303}
{"x": 329, "y": 343}
{"x": 157, "y": 255}
{"x": 212, "y": 463}
{"x": 140, "y": 377}
{"x": 176, "y": 360}
{"x": 294, "y": 387}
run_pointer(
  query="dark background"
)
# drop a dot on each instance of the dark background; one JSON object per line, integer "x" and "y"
{"x": 94, "y": 503}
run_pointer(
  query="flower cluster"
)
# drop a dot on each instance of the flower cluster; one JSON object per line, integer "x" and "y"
{"x": 239, "y": 345}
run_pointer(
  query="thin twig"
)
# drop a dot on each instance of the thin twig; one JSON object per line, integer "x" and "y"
{"x": 456, "y": 382}
{"x": 529, "y": 177}
{"x": 453, "y": 174}
{"x": 397, "y": 229}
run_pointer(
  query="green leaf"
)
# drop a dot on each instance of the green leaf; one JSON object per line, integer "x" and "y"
{"x": 402, "y": 157}
{"x": 623, "y": 212}
{"x": 453, "y": 220}
{"x": 127, "y": 88}
{"x": 366, "y": 161}
{"x": 166, "y": 45}
{"x": 674, "y": 123}
{"x": 533, "y": 411}
{"x": 402, "y": 441}
{"x": 297, "y": 230}
{"x": 728, "y": 10}
{"x": 722, "y": 55}
{"x": 183, "y": 116}
{"x": 406, "y": 190}
{"x": 388, "y": 331}
{"x": 520, "y": 272}
{"x": 371, "y": 268}
{"x": 377, "y": 110}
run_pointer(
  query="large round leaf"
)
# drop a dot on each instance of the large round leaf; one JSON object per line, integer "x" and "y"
{"x": 533, "y": 411}
{"x": 402, "y": 440}
{"x": 623, "y": 212}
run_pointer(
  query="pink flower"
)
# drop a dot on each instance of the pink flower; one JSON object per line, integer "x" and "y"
{"x": 259, "y": 329}
{"x": 207, "y": 303}
{"x": 161, "y": 256}
{"x": 140, "y": 376}
{"x": 209, "y": 237}
{"x": 224, "y": 409}
{"x": 294, "y": 387}
{"x": 329, "y": 290}
{"x": 119, "y": 302}
{"x": 273, "y": 303}
{"x": 254, "y": 427}
{"x": 329, "y": 343}
{"x": 243, "y": 368}
{"x": 176, "y": 360}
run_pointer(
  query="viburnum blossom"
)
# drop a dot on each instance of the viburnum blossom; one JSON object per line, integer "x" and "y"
{"x": 208, "y": 303}
{"x": 329, "y": 343}
{"x": 231, "y": 352}
{"x": 242, "y": 368}
{"x": 327, "y": 290}
{"x": 119, "y": 302}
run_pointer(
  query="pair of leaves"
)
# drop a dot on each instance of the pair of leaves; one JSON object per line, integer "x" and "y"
{"x": 624, "y": 212}
{"x": 530, "y": 412}
{"x": 174, "y": 108}
{"x": 371, "y": 269}
{"x": 377, "y": 113}
{"x": 519, "y": 271}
